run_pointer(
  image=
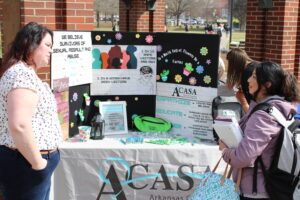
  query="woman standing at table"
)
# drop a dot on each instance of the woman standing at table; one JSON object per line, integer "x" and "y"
{"x": 240, "y": 68}
{"x": 29, "y": 126}
{"x": 261, "y": 130}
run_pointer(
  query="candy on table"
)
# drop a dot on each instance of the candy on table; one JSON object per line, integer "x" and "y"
{"x": 133, "y": 140}
{"x": 182, "y": 140}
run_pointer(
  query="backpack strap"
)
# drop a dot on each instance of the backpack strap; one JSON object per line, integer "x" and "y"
{"x": 267, "y": 108}
{"x": 273, "y": 111}
{"x": 254, "y": 178}
{"x": 261, "y": 106}
{"x": 254, "y": 184}
{"x": 279, "y": 117}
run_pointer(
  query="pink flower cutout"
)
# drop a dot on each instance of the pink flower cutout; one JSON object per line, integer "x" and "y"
{"x": 118, "y": 36}
{"x": 149, "y": 39}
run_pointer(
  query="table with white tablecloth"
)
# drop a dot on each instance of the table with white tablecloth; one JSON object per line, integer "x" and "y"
{"x": 110, "y": 169}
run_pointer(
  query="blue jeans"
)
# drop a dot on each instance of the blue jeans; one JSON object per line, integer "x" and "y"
{"x": 20, "y": 181}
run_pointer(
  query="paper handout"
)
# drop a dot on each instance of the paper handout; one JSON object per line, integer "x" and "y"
{"x": 229, "y": 131}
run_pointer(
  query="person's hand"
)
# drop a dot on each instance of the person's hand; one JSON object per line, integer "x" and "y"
{"x": 241, "y": 97}
{"x": 222, "y": 145}
{"x": 41, "y": 165}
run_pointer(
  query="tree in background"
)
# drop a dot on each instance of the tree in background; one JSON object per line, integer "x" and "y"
{"x": 194, "y": 8}
{"x": 106, "y": 8}
{"x": 239, "y": 11}
{"x": 177, "y": 7}
{"x": 206, "y": 9}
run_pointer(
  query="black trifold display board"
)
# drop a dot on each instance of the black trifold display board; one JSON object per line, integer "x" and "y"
{"x": 173, "y": 49}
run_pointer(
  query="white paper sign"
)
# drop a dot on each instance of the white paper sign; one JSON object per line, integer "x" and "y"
{"x": 124, "y": 70}
{"x": 72, "y": 57}
{"x": 188, "y": 108}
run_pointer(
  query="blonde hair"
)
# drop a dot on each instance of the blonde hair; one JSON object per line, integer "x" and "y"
{"x": 221, "y": 68}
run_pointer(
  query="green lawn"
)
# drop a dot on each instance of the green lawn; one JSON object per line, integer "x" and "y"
{"x": 238, "y": 36}
{"x": 103, "y": 26}
{"x": 193, "y": 29}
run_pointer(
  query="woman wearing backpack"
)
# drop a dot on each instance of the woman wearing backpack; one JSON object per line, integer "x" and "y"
{"x": 268, "y": 83}
{"x": 240, "y": 68}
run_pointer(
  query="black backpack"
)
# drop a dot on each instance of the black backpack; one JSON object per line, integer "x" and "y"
{"x": 226, "y": 107}
{"x": 282, "y": 178}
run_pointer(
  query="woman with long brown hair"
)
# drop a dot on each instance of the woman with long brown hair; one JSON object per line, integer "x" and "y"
{"x": 240, "y": 68}
{"x": 29, "y": 127}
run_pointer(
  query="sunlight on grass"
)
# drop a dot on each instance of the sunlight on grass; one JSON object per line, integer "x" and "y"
{"x": 238, "y": 36}
{"x": 103, "y": 26}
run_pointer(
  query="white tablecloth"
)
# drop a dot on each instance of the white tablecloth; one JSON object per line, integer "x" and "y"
{"x": 109, "y": 169}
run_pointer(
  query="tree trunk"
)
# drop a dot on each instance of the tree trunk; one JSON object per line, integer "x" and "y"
{"x": 98, "y": 19}
{"x": 112, "y": 19}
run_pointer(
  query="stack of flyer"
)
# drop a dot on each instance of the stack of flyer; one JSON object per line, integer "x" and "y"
{"x": 228, "y": 131}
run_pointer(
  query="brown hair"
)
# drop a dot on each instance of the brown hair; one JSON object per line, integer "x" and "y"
{"x": 26, "y": 41}
{"x": 237, "y": 62}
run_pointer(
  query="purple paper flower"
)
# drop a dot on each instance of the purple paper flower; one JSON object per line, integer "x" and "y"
{"x": 158, "y": 48}
{"x": 75, "y": 96}
{"x": 193, "y": 81}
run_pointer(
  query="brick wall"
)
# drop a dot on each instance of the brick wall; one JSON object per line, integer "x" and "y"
{"x": 58, "y": 15}
{"x": 297, "y": 56}
{"x": 274, "y": 34}
{"x": 1, "y": 21}
{"x": 139, "y": 19}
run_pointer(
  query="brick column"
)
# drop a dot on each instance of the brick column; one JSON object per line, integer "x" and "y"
{"x": 274, "y": 34}
{"x": 139, "y": 19}
{"x": 1, "y": 21}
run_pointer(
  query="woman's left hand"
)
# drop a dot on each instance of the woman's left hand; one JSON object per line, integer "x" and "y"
{"x": 222, "y": 145}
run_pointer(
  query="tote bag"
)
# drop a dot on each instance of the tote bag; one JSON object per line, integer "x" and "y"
{"x": 215, "y": 186}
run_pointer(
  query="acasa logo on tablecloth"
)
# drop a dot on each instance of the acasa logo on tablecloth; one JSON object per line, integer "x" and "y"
{"x": 112, "y": 185}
